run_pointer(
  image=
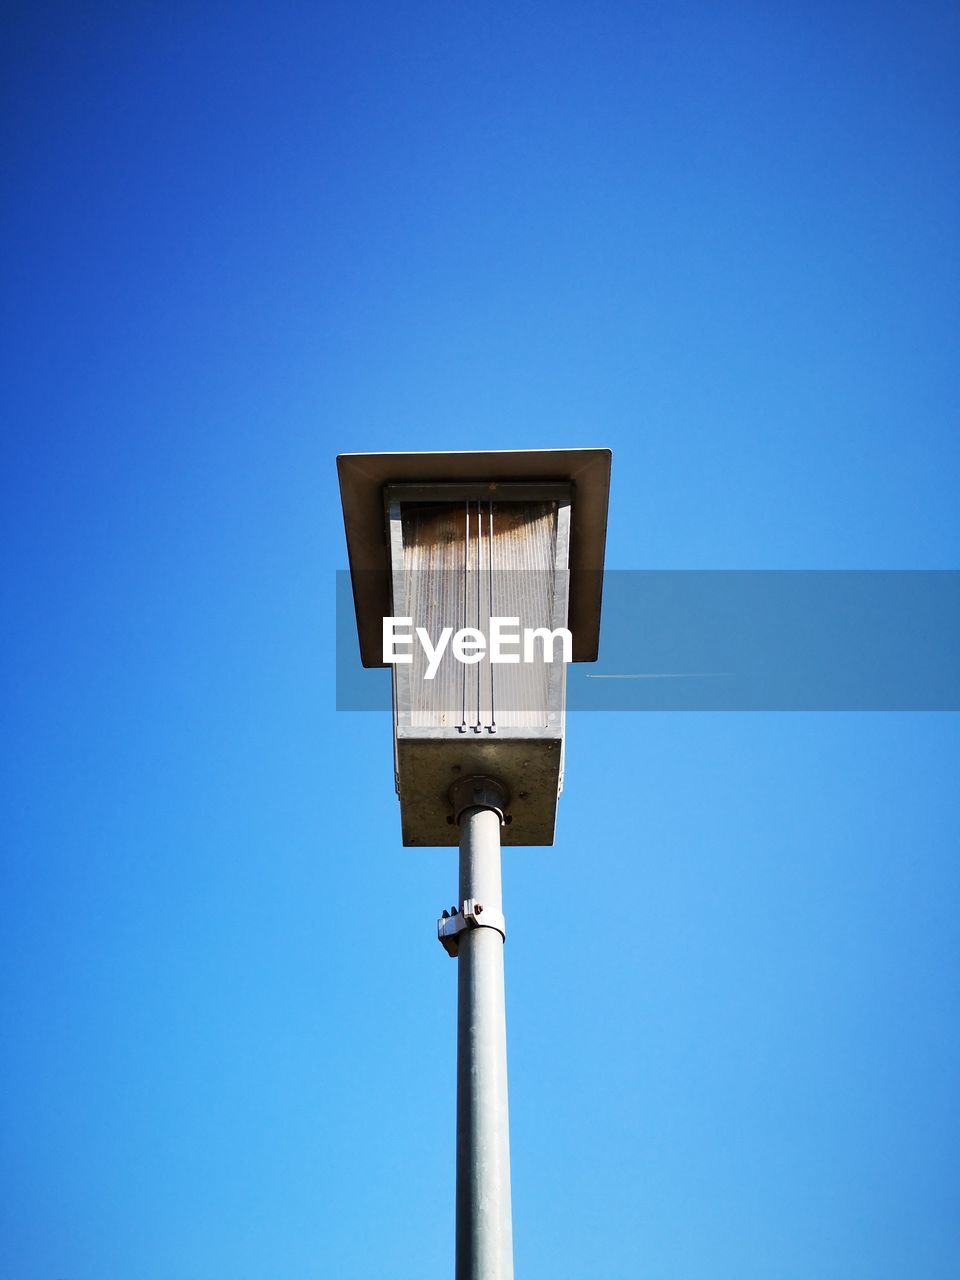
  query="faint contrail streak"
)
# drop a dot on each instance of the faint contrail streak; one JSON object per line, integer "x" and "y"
{"x": 657, "y": 675}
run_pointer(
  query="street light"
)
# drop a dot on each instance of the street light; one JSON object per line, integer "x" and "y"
{"x": 474, "y": 576}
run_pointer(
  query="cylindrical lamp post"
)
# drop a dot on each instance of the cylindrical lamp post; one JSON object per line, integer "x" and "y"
{"x": 484, "y": 1233}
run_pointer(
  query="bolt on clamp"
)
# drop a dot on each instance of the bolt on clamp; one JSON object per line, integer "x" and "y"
{"x": 472, "y": 915}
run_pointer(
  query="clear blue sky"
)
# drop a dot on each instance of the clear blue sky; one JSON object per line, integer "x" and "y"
{"x": 238, "y": 239}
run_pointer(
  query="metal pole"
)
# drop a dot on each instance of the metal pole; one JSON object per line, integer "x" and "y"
{"x": 484, "y": 1242}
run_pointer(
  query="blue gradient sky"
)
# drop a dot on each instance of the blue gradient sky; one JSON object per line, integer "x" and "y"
{"x": 238, "y": 239}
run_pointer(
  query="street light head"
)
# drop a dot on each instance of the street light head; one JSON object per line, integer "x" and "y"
{"x": 477, "y": 576}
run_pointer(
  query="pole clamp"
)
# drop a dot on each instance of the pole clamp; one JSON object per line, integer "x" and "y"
{"x": 472, "y": 915}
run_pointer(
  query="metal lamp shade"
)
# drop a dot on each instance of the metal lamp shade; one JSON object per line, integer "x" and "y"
{"x": 459, "y": 557}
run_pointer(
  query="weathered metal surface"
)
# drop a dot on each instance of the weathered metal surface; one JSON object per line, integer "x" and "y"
{"x": 529, "y": 767}
{"x": 461, "y": 564}
{"x": 456, "y": 565}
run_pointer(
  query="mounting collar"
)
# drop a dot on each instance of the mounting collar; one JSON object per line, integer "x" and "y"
{"x": 478, "y": 792}
{"x": 472, "y": 915}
